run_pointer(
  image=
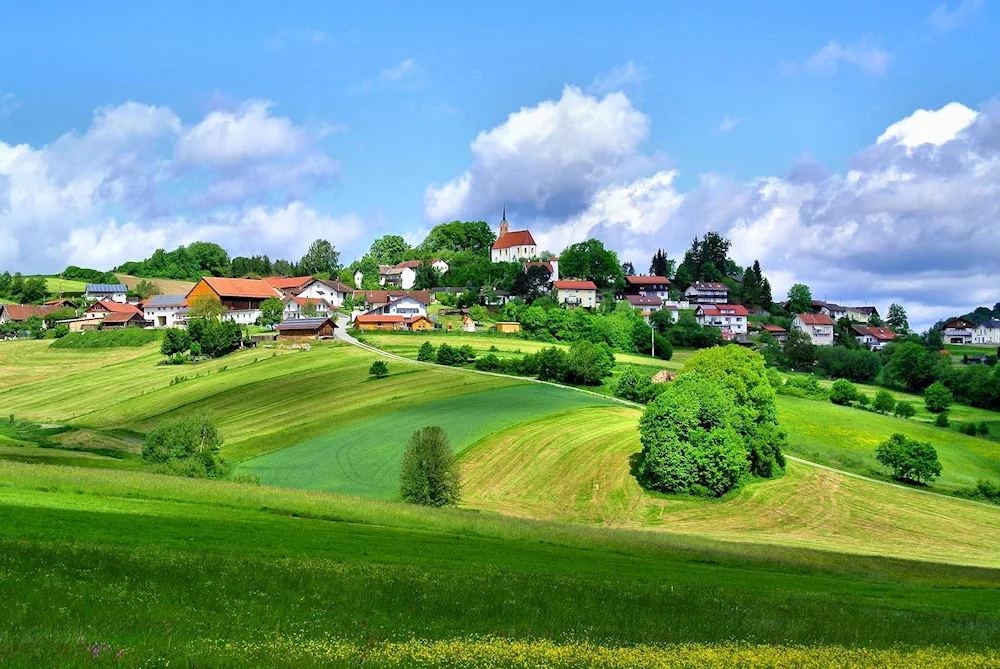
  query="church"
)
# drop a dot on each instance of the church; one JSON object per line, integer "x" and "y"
{"x": 512, "y": 245}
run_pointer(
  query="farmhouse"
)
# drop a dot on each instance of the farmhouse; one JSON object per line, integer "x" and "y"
{"x": 861, "y": 314}
{"x": 405, "y": 306}
{"x": 576, "y": 293}
{"x": 304, "y": 307}
{"x": 873, "y": 337}
{"x": 731, "y": 319}
{"x": 419, "y": 323}
{"x": 404, "y": 274}
{"x": 161, "y": 310}
{"x": 552, "y": 266}
{"x": 112, "y": 292}
{"x": 18, "y": 313}
{"x": 779, "y": 333}
{"x": 241, "y": 297}
{"x": 987, "y": 332}
{"x": 707, "y": 293}
{"x": 656, "y": 286}
{"x": 819, "y": 327}
{"x": 376, "y": 300}
{"x": 306, "y": 328}
{"x": 100, "y": 310}
{"x": 379, "y": 322}
{"x": 834, "y": 311}
{"x": 958, "y": 331}
{"x": 61, "y": 303}
{"x": 332, "y": 292}
{"x": 289, "y": 285}
{"x": 123, "y": 319}
{"x": 512, "y": 245}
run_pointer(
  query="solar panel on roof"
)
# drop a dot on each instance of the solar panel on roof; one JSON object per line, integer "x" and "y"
{"x": 106, "y": 288}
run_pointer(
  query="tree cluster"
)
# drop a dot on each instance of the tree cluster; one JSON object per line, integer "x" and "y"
{"x": 185, "y": 446}
{"x": 707, "y": 260}
{"x": 909, "y": 459}
{"x": 23, "y": 290}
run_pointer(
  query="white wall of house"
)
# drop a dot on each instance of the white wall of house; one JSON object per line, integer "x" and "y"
{"x": 405, "y": 279}
{"x": 404, "y": 306}
{"x": 242, "y": 316}
{"x": 957, "y": 335}
{"x": 578, "y": 297}
{"x": 726, "y": 322}
{"x": 985, "y": 335}
{"x": 514, "y": 253}
{"x": 440, "y": 265}
{"x": 317, "y": 290}
{"x": 162, "y": 317}
{"x": 821, "y": 335}
{"x": 111, "y": 297}
{"x": 295, "y": 310}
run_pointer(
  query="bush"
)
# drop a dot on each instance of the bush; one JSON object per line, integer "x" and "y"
{"x": 884, "y": 402}
{"x": 857, "y": 364}
{"x": 587, "y": 363}
{"x": 843, "y": 392}
{"x": 124, "y": 337}
{"x": 186, "y": 446}
{"x": 969, "y": 429}
{"x": 805, "y": 387}
{"x": 664, "y": 349}
{"x": 550, "y": 364}
{"x": 195, "y": 349}
{"x": 690, "y": 444}
{"x": 448, "y": 355}
{"x": 905, "y": 409}
{"x": 478, "y": 313}
{"x": 635, "y": 387}
{"x": 429, "y": 473}
{"x": 468, "y": 353}
{"x": 937, "y": 397}
{"x": 864, "y": 400}
{"x": 984, "y": 429}
{"x": 488, "y": 363}
{"x": 61, "y": 331}
{"x": 216, "y": 338}
{"x": 942, "y": 420}
{"x": 909, "y": 459}
{"x": 246, "y": 477}
{"x": 175, "y": 340}
{"x": 426, "y": 352}
{"x": 379, "y": 369}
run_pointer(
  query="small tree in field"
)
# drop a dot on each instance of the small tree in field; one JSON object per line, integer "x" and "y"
{"x": 909, "y": 460}
{"x": 904, "y": 409}
{"x": 271, "y": 311}
{"x": 478, "y": 313}
{"x": 884, "y": 402}
{"x": 937, "y": 397}
{"x": 429, "y": 474}
{"x": 379, "y": 369}
{"x": 175, "y": 340}
{"x": 942, "y": 419}
{"x": 426, "y": 352}
{"x": 843, "y": 392}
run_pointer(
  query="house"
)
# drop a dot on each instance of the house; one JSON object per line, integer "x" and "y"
{"x": 405, "y": 305}
{"x": 161, "y": 310}
{"x": 305, "y": 307}
{"x": 731, "y": 319}
{"x": 958, "y": 331}
{"x": 18, "y": 313}
{"x": 100, "y": 310}
{"x": 440, "y": 265}
{"x": 419, "y": 323}
{"x": 437, "y": 293}
{"x": 289, "y": 285}
{"x": 649, "y": 305}
{"x": 834, "y": 311}
{"x": 374, "y": 300}
{"x": 576, "y": 293}
{"x": 657, "y": 286}
{"x": 397, "y": 277}
{"x": 330, "y": 291}
{"x": 819, "y": 327}
{"x": 707, "y": 293}
{"x": 241, "y": 297}
{"x": 861, "y": 314}
{"x": 512, "y": 245}
{"x": 874, "y": 338}
{"x": 358, "y": 278}
{"x": 987, "y": 332}
{"x": 779, "y": 333}
{"x": 379, "y": 322}
{"x": 507, "y": 327}
{"x": 82, "y": 324}
{"x": 495, "y": 298}
{"x": 60, "y": 304}
{"x": 112, "y": 292}
{"x": 468, "y": 325}
{"x": 551, "y": 265}
{"x": 306, "y": 328}
{"x": 124, "y": 319}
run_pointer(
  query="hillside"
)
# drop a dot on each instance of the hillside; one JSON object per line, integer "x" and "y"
{"x": 165, "y": 286}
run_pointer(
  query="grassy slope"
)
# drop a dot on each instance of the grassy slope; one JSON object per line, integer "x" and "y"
{"x": 363, "y": 458}
{"x": 575, "y": 467}
{"x": 55, "y": 285}
{"x": 209, "y": 573}
{"x": 166, "y": 286}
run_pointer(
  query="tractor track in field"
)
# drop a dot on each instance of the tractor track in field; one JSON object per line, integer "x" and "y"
{"x": 343, "y": 336}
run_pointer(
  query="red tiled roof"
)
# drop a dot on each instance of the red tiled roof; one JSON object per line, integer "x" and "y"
{"x": 646, "y": 280}
{"x": 723, "y": 310}
{"x": 575, "y": 285}
{"x": 882, "y": 334}
{"x": 538, "y": 263}
{"x": 815, "y": 319}
{"x": 379, "y": 318}
{"x": 226, "y": 287}
{"x": 122, "y": 317}
{"x": 115, "y": 307}
{"x": 514, "y": 238}
{"x": 303, "y": 301}
{"x": 772, "y": 328}
{"x": 21, "y": 312}
{"x": 413, "y": 319}
{"x": 414, "y": 264}
{"x": 386, "y": 296}
{"x": 288, "y": 282}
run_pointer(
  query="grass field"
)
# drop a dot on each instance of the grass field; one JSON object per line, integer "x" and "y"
{"x": 57, "y": 286}
{"x": 166, "y": 286}
{"x": 363, "y": 457}
{"x": 140, "y": 570}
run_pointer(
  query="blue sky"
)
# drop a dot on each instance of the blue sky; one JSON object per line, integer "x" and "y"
{"x": 371, "y": 110}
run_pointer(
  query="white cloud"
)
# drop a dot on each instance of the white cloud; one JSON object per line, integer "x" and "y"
{"x": 308, "y": 37}
{"x": 224, "y": 139}
{"x": 550, "y": 157}
{"x": 8, "y": 103}
{"x": 933, "y": 127}
{"x": 620, "y": 78}
{"x": 869, "y": 58}
{"x": 406, "y": 74}
{"x": 728, "y": 123}
{"x": 944, "y": 19}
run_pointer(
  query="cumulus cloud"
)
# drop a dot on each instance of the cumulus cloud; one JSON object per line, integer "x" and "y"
{"x": 551, "y": 158}
{"x": 123, "y": 187}
{"x": 945, "y": 18}
{"x": 827, "y": 60}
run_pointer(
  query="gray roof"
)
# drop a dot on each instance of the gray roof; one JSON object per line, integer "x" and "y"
{"x": 303, "y": 323}
{"x": 106, "y": 288}
{"x": 165, "y": 301}
{"x": 991, "y": 324}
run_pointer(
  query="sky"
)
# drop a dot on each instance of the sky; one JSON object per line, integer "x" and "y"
{"x": 854, "y": 146}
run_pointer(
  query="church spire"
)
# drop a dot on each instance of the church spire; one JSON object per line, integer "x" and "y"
{"x": 504, "y": 226}
{"x": 504, "y": 217}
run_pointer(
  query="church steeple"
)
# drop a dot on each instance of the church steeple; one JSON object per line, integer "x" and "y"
{"x": 504, "y": 226}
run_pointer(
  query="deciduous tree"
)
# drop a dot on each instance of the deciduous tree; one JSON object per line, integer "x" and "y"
{"x": 429, "y": 474}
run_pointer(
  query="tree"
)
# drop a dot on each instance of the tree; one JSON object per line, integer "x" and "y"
{"x": 911, "y": 365}
{"x": 430, "y": 474}
{"x": 207, "y": 305}
{"x": 62, "y": 330}
{"x": 706, "y": 260}
{"x": 379, "y": 369}
{"x": 309, "y": 308}
{"x": 532, "y": 284}
{"x": 843, "y": 392}
{"x": 628, "y": 268}
{"x": 175, "y": 340}
{"x": 661, "y": 265}
{"x": 937, "y": 397}
{"x": 884, "y": 401}
{"x": 742, "y": 373}
{"x": 33, "y": 289}
{"x": 844, "y": 334}
{"x": 475, "y": 237}
{"x": 635, "y": 387}
{"x": 34, "y": 326}
{"x": 369, "y": 273}
{"x": 800, "y": 299}
{"x": 271, "y": 311}
{"x": 897, "y": 318}
{"x": 766, "y": 300}
{"x": 389, "y": 249}
{"x": 426, "y": 352}
{"x": 689, "y": 442}
{"x": 588, "y": 363}
{"x": 589, "y": 260}
{"x": 799, "y": 350}
{"x": 551, "y": 364}
{"x": 942, "y": 420}
{"x": 661, "y": 320}
{"x": 909, "y": 459}
{"x": 448, "y": 355}
{"x": 216, "y": 338}
{"x": 145, "y": 288}
{"x": 186, "y": 446}
{"x": 905, "y": 409}
{"x": 321, "y": 258}
{"x": 427, "y": 277}
{"x": 478, "y": 313}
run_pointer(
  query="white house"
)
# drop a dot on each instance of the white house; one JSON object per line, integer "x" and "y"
{"x": 162, "y": 310}
{"x": 298, "y": 307}
{"x": 111, "y": 292}
{"x": 958, "y": 331}
{"x": 405, "y": 305}
{"x": 707, "y": 293}
{"x": 649, "y": 305}
{"x": 819, "y": 327}
{"x": 332, "y": 292}
{"x": 874, "y": 338}
{"x": 861, "y": 314}
{"x": 987, "y": 332}
{"x": 576, "y": 293}
{"x": 513, "y": 245}
{"x": 834, "y": 311}
{"x": 730, "y": 318}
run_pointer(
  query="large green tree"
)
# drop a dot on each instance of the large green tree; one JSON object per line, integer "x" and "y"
{"x": 429, "y": 474}
{"x": 661, "y": 265}
{"x": 909, "y": 459}
{"x": 800, "y": 299}
{"x": 271, "y": 311}
{"x": 389, "y": 249}
{"x": 896, "y": 318}
{"x": 475, "y": 237}
{"x": 321, "y": 258}
{"x": 589, "y": 260}
{"x": 188, "y": 445}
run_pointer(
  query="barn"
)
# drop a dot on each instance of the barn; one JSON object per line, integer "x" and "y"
{"x": 306, "y": 328}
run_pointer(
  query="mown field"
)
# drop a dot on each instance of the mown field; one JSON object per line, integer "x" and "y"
{"x": 165, "y": 286}
{"x": 129, "y": 569}
{"x": 57, "y": 286}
